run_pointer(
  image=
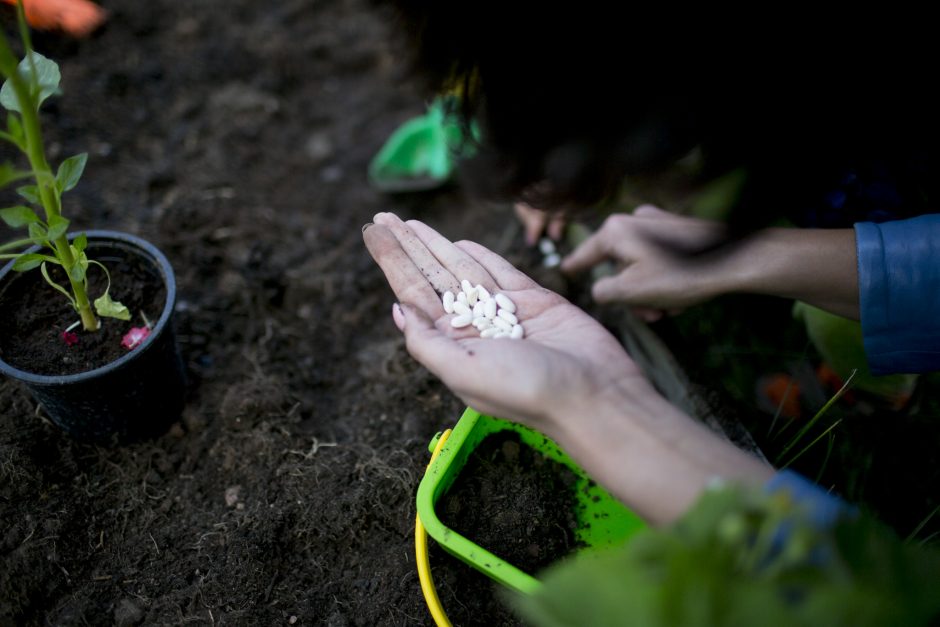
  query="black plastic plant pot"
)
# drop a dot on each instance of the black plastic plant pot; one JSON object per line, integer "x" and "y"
{"x": 133, "y": 397}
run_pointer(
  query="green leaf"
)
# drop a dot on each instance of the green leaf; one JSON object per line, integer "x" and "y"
{"x": 38, "y": 233}
{"x": 18, "y": 216}
{"x": 108, "y": 308}
{"x": 15, "y": 126}
{"x": 70, "y": 171}
{"x": 77, "y": 272}
{"x": 65, "y": 292}
{"x": 80, "y": 242}
{"x": 46, "y": 78}
{"x": 28, "y": 262}
{"x": 8, "y": 174}
{"x": 30, "y": 193}
{"x": 57, "y": 227}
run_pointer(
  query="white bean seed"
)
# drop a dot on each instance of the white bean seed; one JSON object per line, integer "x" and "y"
{"x": 449, "y": 301}
{"x": 503, "y": 301}
{"x": 546, "y": 246}
{"x": 494, "y": 316}
{"x": 508, "y": 317}
{"x": 462, "y": 321}
{"x": 552, "y": 261}
{"x": 502, "y": 325}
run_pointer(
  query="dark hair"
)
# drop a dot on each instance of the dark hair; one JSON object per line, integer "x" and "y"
{"x": 572, "y": 97}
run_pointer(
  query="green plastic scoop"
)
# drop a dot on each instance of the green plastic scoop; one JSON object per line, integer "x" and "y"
{"x": 602, "y": 520}
{"x": 421, "y": 154}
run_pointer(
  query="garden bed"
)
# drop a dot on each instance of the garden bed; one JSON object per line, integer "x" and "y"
{"x": 236, "y": 136}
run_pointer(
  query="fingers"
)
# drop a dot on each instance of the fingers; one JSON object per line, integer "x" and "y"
{"x": 533, "y": 222}
{"x": 647, "y": 314}
{"x": 440, "y": 278}
{"x": 404, "y": 277}
{"x": 591, "y": 252}
{"x": 610, "y": 289}
{"x": 436, "y": 351}
{"x": 556, "y": 227}
{"x": 651, "y": 211}
{"x": 506, "y": 275}
{"x": 456, "y": 260}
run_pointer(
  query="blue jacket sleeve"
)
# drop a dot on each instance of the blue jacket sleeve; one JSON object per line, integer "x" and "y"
{"x": 823, "y": 508}
{"x": 899, "y": 294}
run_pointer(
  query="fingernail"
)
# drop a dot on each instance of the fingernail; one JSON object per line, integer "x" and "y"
{"x": 366, "y": 225}
{"x": 398, "y": 316}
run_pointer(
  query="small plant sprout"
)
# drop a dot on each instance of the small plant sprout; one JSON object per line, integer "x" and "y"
{"x": 493, "y": 316}
{"x": 28, "y": 84}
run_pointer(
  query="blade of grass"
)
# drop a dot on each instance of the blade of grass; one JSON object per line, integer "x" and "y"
{"x": 829, "y": 447}
{"x": 810, "y": 445}
{"x": 809, "y": 425}
{"x": 786, "y": 393}
{"x": 922, "y": 524}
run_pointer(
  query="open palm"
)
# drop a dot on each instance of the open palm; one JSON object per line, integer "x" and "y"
{"x": 566, "y": 354}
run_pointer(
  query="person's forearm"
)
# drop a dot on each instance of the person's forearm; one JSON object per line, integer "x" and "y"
{"x": 817, "y": 266}
{"x": 655, "y": 459}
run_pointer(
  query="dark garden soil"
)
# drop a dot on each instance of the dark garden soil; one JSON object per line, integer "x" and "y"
{"x": 235, "y": 136}
{"x": 35, "y": 338}
{"x": 514, "y": 502}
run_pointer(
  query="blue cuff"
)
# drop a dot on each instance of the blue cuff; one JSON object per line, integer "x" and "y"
{"x": 899, "y": 294}
{"x": 823, "y": 508}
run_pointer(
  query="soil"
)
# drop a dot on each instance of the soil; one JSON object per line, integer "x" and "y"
{"x": 36, "y": 318}
{"x": 236, "y": 136}
{"x": 514, "y": 502}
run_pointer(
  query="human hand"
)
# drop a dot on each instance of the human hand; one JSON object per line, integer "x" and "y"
{"x": 656, "y": 277}
{"x": 569, "y": 378}
{"x": 566, "y": 354}
{"x": 536, "y": 222}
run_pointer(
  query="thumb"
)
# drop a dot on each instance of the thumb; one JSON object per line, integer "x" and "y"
{"x": 611, "y": 289}
{"x": 432, "y": 348}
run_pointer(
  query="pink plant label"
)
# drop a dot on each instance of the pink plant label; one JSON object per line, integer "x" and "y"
{"x": 134, "y": 337}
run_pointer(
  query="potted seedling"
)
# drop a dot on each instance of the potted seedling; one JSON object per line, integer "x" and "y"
{"x": 86, "y": 315}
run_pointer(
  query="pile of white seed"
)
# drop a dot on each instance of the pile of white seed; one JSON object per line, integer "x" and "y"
{"x": 493, "y": 316}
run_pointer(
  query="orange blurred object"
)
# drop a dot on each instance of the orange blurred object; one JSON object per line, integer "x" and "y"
{"x": 78, "y": 18}
{"x": 783, "y": 392}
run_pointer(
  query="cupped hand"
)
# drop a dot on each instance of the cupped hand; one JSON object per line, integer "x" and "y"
{"x": 565, "y": 355}
{"x": 657, "y": 274}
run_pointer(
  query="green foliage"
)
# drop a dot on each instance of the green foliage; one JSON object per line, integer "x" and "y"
{"x": 744, "y": 557}
{"x": 18, "y": 216}
{"x": 35, "y": 70}
{"x": 70, "y": 171}
{"x": 28, "y": 84}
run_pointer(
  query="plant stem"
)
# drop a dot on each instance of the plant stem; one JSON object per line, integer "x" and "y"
{"x": 45, "y": 179}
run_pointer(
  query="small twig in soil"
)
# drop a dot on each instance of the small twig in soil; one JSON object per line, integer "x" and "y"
{"x": 314, "y": 447}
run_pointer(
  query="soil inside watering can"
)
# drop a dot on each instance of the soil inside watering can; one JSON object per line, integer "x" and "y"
{"x": 515, "y": 502}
